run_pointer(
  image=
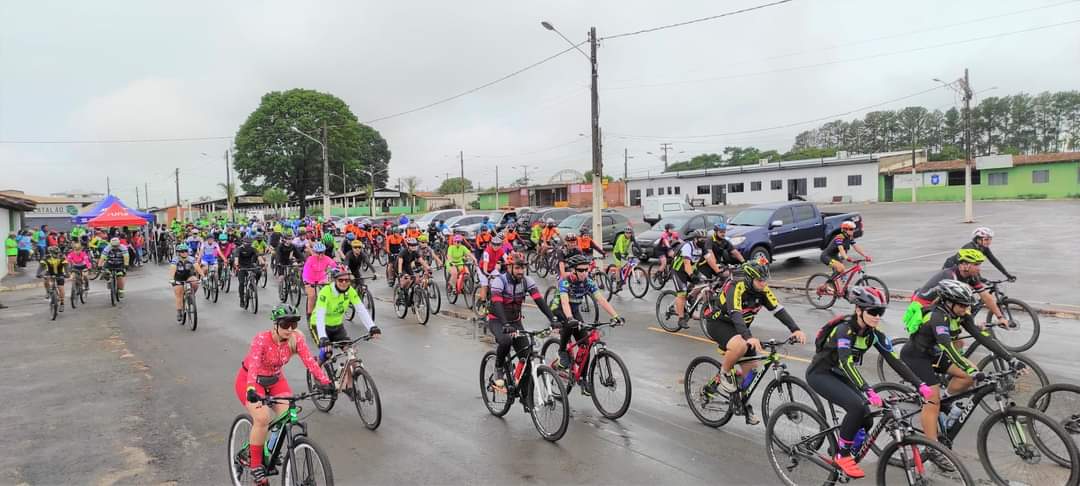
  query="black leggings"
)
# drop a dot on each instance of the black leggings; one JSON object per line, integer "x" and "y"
{"x": 840, "y": 391}
{"x": 567, "y": 330}
{"x": 503, "y": 341}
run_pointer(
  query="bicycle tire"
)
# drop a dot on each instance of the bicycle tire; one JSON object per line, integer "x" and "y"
{"x": 784, "y": 458}
{"x": 542, "y": 268}
{"x": 433, "y": 293}
{"x": 237, "y": 452}
{"x": 421, "y": 305}
{"x": 1068, "y": 463}
{"x": 226, "y": 279}
{"x": 304, "y": 445}
{"x": 599, "y": 362}
{"x": 369, "y": 302}
{"x": 817, "y": 293}
{"x": 1010, "y": 307}
{"x": 694, "y": 388}
{"x": 1067, "y": 398}
{"x": 283, "y": 290}
{"x": 74, "y": 293}
{"x": 640, "y": 276}
{"x": 298, "y": 291}
{"x": 487, "y": 390}
{"x": 920, "y": 443}
{"x": 325, "y": 402}
{"x": 555, "y": 399}
{"x": 665, "y": 311}
{"x": 1025, "y": 386}
{"x": 784, "y": 388}
{"x": 369, "y": 394}
{"x": 252, "y": 296}
{"x": 82, "y": 292}
{"x": 658, "y": 279}
{"x": 549, "y": 355}
{"x": 113, "y": 294}
{"x": 206, "y": 287}
{"x": 193, "y": 312}
{"x": 468, "y": 288}
{"x": 264, "y": 276}
{"x": 216, "y": 290}
{"x": 451, "y": 291}
{"x": 877, "y": 283}
{"x": 54, "y": 304}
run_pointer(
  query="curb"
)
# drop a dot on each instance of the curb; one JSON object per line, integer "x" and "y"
{"x": 906, "y": 297}
{"x": 25, "y": 286}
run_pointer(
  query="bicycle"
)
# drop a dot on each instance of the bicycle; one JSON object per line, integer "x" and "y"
{"x": 79, "y": 287}
{"x": 715, "y": 408}
{"x": 431, "y": 289}
{"x": 589, "y": 308}
{"x": 189, "y": 309}
{"x": 1012, "y": 309}
{"x": 542, "y": 394}
{"x": 606, "y": 370}
{"x": 404, "y": 299}
{"x": 287, "y": 444}
{"x": 809, "y": 440}
{"x": 697, "y": 299}
{"x": 224, "y": 277}
{"x": 464, "y": 286}
{"x": 1032, "y": 438}
{"x": 659, "y": 278}
{"x": 290, "y": 285}
{"x": 365, "y": 297}
{"x": 211, "y": 288}
{"x": 114, "y": 289}
{"x": 1061, "y": 402}
{"x": 347, "y": 371}
{"x": 247, "y": 289}
{"x": 823, "y": 289}
{"x": 630, "y": 275}
{"x": 1025, "y": 386}
{"x": 54, "y": 296}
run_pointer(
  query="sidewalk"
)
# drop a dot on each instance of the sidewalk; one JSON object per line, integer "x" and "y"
{"x": 21, "y": 280}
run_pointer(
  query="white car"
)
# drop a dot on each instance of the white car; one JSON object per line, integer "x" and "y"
{"x": 656, "y": 208}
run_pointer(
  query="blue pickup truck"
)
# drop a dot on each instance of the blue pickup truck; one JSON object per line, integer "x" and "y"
{"x": 786, "y": 229}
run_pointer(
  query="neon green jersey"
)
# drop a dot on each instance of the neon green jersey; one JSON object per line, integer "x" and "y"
{"x": 330, "y": 306}
{"x": 455, "y": 255}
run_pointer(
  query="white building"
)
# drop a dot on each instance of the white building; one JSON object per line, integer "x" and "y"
{"x": 845, "y": 178}
{"x": 12, "y": 210}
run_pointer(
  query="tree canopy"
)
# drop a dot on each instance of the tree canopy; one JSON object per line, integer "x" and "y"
{"x": 268, "y": 153}
{"x": 587, "y": 177}
{"x": 453, "y": 186}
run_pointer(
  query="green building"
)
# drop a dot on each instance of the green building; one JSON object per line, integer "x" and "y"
{"x": 1040, "y": 176}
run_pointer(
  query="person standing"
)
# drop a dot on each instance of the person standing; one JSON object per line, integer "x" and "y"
{"x": 42, "y": 241}
{"x": 26, "y": 246}
{"x": 11, "y": 249}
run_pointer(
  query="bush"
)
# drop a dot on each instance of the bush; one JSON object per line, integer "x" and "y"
{"x": 1074, "y": 196}
{"x": 1031, "y": 196}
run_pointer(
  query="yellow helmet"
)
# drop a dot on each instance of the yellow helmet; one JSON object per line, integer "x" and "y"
{"x": 356, "y": 244}
{"x": 970, "y": 255}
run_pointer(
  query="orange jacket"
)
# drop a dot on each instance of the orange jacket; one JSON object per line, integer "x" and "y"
{"x": 548, "y": 233}
{"x": 483, "y": 239}
{"x": 394, "y": 240}
{"x": 412, "y": 233}
{"x": 511, "y": 235}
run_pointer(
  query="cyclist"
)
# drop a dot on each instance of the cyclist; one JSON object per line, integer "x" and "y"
{"x": 570, "y": 292}
{"x": 182, "y": 269}
{"x": 247, "y": 261}
{"x": 980, "y": 240}
{"x": 729, "y": 316}
{"x": 260, "y": 245}
{"x": 624, "y": 244}
{"x": 315, "y": 269}
{"x": 406, "y": 262}
{"x": 535, "y": 231}
{"x": 684, "y": 265}
{"x": 569, "y": 249}
{"x": 227, "y": 247}
{"x": 393, "y": 244}
{"x": 329, "y": 244}
{"x": 546, "y": 235}
{"x": 55, "y": 266}
{"x": 967, "y": 271}
{"x": 510, "y": 236}
{"x": 587, "y": 245}
{"x": 838, "y": 248}
{"x": 412, "y": 231}
{"x": 426, "y": 252}
{"x": 932, "y": 350}
{"x": 833, "y": 372}
{"x": 483, "y": 239}
{"x": 260, "y": 374}
{"x": 326, "y": 325}
{"x": 492, "y": 258}
{"x": 208, "y": 255}
{"x": 456, "y": 254}
{"x": 721, "y": 248}
{"x": 355, "y": 260}
{"x": 508, "y": 292}
{"x": 115, "y": 258}
{"x": 666, "y": 244}
{"x": 79, "y": 260}
{"x": 284, "y": 251}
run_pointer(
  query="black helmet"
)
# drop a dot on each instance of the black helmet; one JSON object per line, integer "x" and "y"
{"x": 755, "y": 270}
{"x": 867, "y": 298}
{"x": 669, "y": 226}
{"x": 578, "y": 259}
{"x": 956, "y": 291}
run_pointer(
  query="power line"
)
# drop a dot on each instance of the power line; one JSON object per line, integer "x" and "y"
{"x": 842, "y": 61}
{"x": 694, "y": 21}
{"x": 579, "y": 139}
{"x": 131, "y": 140}
{"x": 478, "y": 88}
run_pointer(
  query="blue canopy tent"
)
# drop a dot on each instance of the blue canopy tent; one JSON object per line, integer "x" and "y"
{"x": 96, "y": 210}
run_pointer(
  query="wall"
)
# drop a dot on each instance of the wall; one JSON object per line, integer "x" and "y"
{"x": 10, "y": 221}
{"x": 487, "y": 201}
{"x": 836, "y": 184}
{"x": 1064, "y": 181}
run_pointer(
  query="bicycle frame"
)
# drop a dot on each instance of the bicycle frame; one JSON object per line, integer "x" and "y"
{"x": 977, "y": 394}
{"x": 772, "y": 362}
{"x": 592, "y": 344}
{"x": 848, "y": 275}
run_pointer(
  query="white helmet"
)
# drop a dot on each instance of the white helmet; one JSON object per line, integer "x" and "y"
{"x": 982, "y": 232}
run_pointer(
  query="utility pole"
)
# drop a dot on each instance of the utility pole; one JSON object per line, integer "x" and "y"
{"x": 969, "y": 209}
{"x": 597, "y": 160}
{"x": 461, "y": 159}
{"x": 108, "y": 186}
{"x": 625, "y": 163}
{"x": 138, "y": 202}
{"x": 665, "y": 147}
{"x": 914, "y": 186}
{"x": 146, "y": 193}
{"x": 178, "y": 193}
{"x": 228, "y": 188}
{"x": 496, "y": 187}
{"x": 325, "y": 176}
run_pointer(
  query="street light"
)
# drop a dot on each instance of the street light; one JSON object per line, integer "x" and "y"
{"x": 326, "y": 170}
{"x": 371, "y": 189}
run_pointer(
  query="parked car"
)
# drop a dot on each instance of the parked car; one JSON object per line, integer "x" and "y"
{"x": 466, "y": 225}
{"x": 500, "y": 218}
{"x": 684, "y": 224}
{"x": 612, "y": 222}
{"x": 442, "y": 215}
{"x": 654, "y": 209}
{"x": 784, "y": 229}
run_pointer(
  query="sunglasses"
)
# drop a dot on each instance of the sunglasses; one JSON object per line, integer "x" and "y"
{"x": 876, "y": 311}
{"x": 343, "y": 280}
{"x": 289, "y": 323}
{"x": 581, "y": 270}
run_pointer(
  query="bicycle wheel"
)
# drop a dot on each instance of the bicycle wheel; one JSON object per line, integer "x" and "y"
{"x": 192, "y": 312}
{"x": 549, "y": 355}
{"x": 884, "y": 371}
{"x": 610, "y": 382}
{"x": 74, "y": 293}
{"x": 1027, "y": 447}
{"x": 369, "y": 302}
{"x": 658, "y": 279}
{"x": 297, "y": 291}
{"x": 264, "y": 277}
{"x": 54, "y": 304}
{"x": 909, "y": 453}
{"x": 216, "y": 289}
{"x": 820, "y": 290}
{"x": 307, "y": 464}
{"x": 550, "y": 409}
{"x": 468, "y": 291}
{"x": 226, "y": 279}
{"x": 638, "y": 281}
{"x": 82, "y": 291}
{"x": 712, "y": 409}
{"x": 887, "y": 391}
{"x": 283, "y": 290}
{"x": 112, "y": 291}
{"x": 401, "y": 308}
{"x": 206, "y": 287}
{"x": 497, "y": 401}
{"x": 252, "y": 295}
{"x": 542, "y": 268}
{"x": 350, "y": 313}
{"x": 665, "y": 311}
{"x": 421, "y": 306}
{"x": 323, "y": 402}
{"x": 451, "y": 291}
{"x": 1023, "y": 330}
{"x": 877, "y": 283}
{"x": 1025, "y": 385}
{"x": 237, "y": 451}
{"x": 1061, "y": 402}
{"x": 796, "y": 456}
{"x": 434, "y": 296}
{"x": 366, "y": 397}
{"x": 788, "y": 388}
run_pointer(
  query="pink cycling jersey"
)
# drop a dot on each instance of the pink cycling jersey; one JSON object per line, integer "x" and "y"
{"x": 268, "y": 355}
{"x": 315, "y": 268}
{"x": 78, "y": 258}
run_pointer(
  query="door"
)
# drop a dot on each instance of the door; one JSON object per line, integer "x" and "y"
{"x": 608, "y": 229}
{"x": 888, "y": 187}
{"x": 719, "y": 195}
{"x": 784, "y": 236}
{"x": 635, "y": 197}
{"x": 796, "y": 187}
{"x": 809, "y": 228}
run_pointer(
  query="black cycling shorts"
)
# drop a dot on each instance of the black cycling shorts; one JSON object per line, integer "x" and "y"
{"x": 926, "y": 366}
{"x": 722, "y": 332}
{"x": 681, "y": 280}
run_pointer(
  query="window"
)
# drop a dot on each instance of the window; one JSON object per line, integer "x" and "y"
{"x": 711, "y": 219}
{"x": 635, "y": 197}
{"x": 804, "y": 213}
{"x": 677, "y": 188}
{"x": 820, "y": 181}
{"x": 1040, "y": 176}
{"x": 669, "y": 190}
{"x": 607, "y": 221}
{"x": 956, "y": 177}
{"x": 648, "y": 192}
{"x": 695, "y": 224}
{"x": 672, "y": 207}
{"x": 735, "y": 187}
{"x": 999, "y": 178}
{"x": 783, "y": 215}
{"x": 776, "y": 185}
{"x": 755, "y": 186}
{"x": 852, "y": 180}
{"x": 702, "y": 190}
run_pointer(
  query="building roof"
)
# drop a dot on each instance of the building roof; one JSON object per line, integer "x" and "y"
{"x": 958, "y": 164}
{"x": 841, "y": 159}
{"x": 49, "y": 199}
{"x": 17, "y": 203}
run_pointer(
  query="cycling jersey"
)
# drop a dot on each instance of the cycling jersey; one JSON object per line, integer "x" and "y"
{"x": 115, "y": 257}
{"x": 574, "y": 289}
{"x": 315, "y": 269}
{"x": 393, "y": 243}
{"x": 355, "y": 261}
{"x": 53, "y": 266}
{"x": 185, "y": 268}
{"x": 510, "y": 296}
{"x": 972, "y": 245}
{"x": 259, "y": 246}
{"x": 738, "y": 304}
{"x": 689, "y": 254}
{"x": 668, "y": 239}
{"x": 412, "y": 233}
{"x": 926, "y": 294}
{"x": 535, "y": 233}
{"x": 79, "y": 258}
{"x": 455, "y": 255}
{"x": 210, "y": 252}
{"x": 267, "y": 356}
{"x": 845, "y": 346}
{"x": 482, "y": 240}
{"x": 330, "y": 307}
{"x": 622, "y": 246}
{"x": 939, "y": 331}
{"x": 548, "y": 233}
{"x": 409, "y": 260}
{"x": 832, "y": 252}
{"x": 492, "y": 259}
{"x": 247, "y": 257}
{"x": 722, "y": 249}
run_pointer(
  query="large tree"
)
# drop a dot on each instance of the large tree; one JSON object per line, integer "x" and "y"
{"x": 268, "y": 153}
{"x": 453, "y": 185}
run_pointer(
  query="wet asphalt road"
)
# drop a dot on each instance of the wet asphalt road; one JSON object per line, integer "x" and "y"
{"x": 124, "y": 395}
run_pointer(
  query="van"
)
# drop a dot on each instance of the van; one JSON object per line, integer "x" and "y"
{"x": 656, "y": 208}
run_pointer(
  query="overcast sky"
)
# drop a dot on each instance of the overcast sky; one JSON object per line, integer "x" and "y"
{"x": 112, "y": 70}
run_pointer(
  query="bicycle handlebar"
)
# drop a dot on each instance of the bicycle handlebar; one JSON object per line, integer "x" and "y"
{"x": 270, "y": 400}
{"x": 347, "y": 343}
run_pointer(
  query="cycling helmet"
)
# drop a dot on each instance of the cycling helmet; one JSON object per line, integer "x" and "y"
{"x": 970, "y": 255}
{"x": 410, "y": 241}
{"x": 847, "y": 225}
{"x": 328, "y": 238}
{"x": 721, "y": 226}
{"x": 698, "y": 233}
{"x": 457, "y": 239}
{"x": 336, "y": 273}
{"x": 867, "y": 298}
{"x": 284, "y": 312}
{"x": 356, "y": 244}
{"x": 53, "y": 251}
{"x": 628, "y": 229}
{"x": 755, "y": 271}
{"x": 182, "y": 247}
{"x": 669, "y": 227}
{"x": 115, "y": 242}
{"x": 516, "y": 258}
{"x": 223, "y": 237}
{"x": 982, "y": 232}
{"x": 319, "y": 247}
{"x": 350, "y": 236}
{"x": 423, "y": 238}
{"x": 586, "y": 232}
{"x": 956, "y": 291}
{"x": 577, "y": 259}
{"x": 413, "y": 226}
{"x": 571, "y": 237}
{"x": 497, "y": 240}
